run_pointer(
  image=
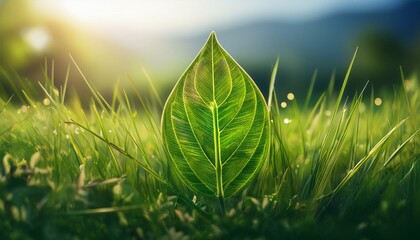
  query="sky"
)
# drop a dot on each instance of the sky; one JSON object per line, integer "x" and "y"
{"x": 163, "y": 36}
{"x": 187, "y": 16}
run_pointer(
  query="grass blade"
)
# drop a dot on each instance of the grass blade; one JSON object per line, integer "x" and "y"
{"x": 272, "y": 84}
{"x": 399, "y": 149}
{"x": 122, "y": 151}
{"x": 362, "y": 161}
{"x": 310, "y": 90}
{"x": 5, "y": 104}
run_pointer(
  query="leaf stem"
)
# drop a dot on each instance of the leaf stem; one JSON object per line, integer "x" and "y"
{"x": 217, "y": 151}
{"x": 222, "y": 205}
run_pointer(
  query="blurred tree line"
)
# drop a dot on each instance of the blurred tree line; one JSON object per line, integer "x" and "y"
{"x": 29, "y": 39}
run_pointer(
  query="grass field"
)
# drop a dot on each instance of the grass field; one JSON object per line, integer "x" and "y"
{"x": 342, "y": 165}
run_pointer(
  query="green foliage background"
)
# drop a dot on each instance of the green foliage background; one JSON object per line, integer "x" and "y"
{"x": 341, "y": 168}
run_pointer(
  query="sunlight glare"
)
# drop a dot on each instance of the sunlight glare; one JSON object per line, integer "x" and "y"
{"x": 162, "y": 16}
{"x": 151, "y": 16}
{"x": 38, "y": 38}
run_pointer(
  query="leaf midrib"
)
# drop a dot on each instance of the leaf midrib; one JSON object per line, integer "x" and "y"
{"x": 216, "y": 131}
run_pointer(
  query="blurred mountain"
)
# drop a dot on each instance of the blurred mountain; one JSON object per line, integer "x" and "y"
{"x": 387, "y": 38}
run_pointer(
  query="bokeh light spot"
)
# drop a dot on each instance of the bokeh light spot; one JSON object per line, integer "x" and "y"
{"x": 46, "y": 101}
{"x": 378, "y": 101}
{"x": 283, "y": 104}
{"x": 407, "y": 85}
{"x": 327, "y": 113}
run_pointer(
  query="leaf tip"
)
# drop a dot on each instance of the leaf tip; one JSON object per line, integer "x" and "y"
{"x": 213, "y": 37}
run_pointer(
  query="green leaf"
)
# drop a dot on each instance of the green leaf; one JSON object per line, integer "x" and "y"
{"x": 215, "y": 124}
